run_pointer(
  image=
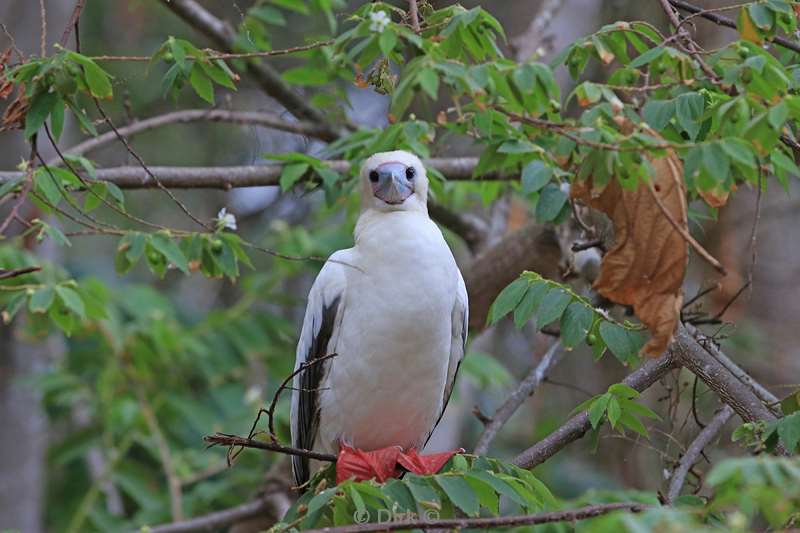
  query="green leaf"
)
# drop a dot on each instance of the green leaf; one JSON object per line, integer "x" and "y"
{"x": 57, "y": 119}
{"x": 789, "y": 431}
{"x": 553, "y": 305}
{"x": 40, "y": 108}
{"x": 631, "y": 422}
{"x": 575, "y": 324}
{"x": 97, "y": 79}
{"x": 10, "y": 185}
{"x": 620, "y": 341}
{"x": 460, "y": 493}
{"x": 429, "y": 81}
{"x": 550, "y": 202}
{"x": 291, "y": 175}
{"x": 178, "y": 53}
{"x": 535, "y": 175}
{"x": 508, "y": 299}
{"x": 529, "y": 303}
{"x": 597, "y": 409}
{"x": 614, "y": 411}
{"x": 688, "y": 110}
{"x": 486, "y": 494}
{"x": 657, "y": 113}
{"x": 216, "y": 73}
{"x": 387, "y": 41}
{"x": 648, "y": 57}
{"x": 41, "y": 300}
{"x": 165, "y": 245}
{"x": 622, "y": 390}
{"x": 71, "y": 300}
{"x": 201, "y": 84}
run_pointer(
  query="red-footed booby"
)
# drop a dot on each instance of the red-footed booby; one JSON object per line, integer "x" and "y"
{"x": 393, "y": 308}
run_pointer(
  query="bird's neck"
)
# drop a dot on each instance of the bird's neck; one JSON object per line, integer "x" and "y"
{"x": 376, "y": 226}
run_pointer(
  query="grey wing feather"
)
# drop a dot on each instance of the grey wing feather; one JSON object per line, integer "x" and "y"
{"x": 317, "y": 337}
{"x": 458, "y": 344}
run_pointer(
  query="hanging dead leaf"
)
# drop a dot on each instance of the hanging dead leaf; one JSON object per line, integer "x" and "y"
{"x": 646, "y": 266}
{"x": 14, "y": 116}
{"x": 715, "y": 197}
{"x": 6, "y": 86}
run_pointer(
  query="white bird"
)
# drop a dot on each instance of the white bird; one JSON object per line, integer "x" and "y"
{"x": 394, "y": 310}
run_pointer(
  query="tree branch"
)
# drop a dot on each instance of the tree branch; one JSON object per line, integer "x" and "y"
{"x": 223, "y": 439}
{"x": 642, "y": 378}
{"x": 517, "y": 397}
{"x": 225, "y": 178}
{"x": 725, "y": 21}
{"x": 220, "y": 519}
{"x": 571, "y": 515}
{"x": 267, "y": 120}
{"x": 702, "y": 440}
{"x": 267, "y": 77}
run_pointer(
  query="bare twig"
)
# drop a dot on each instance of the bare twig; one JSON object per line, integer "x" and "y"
{"x": 215, "y": 54}
{"x": 256, "y": 118}
{"x": 517, "y": 397}
{"x": 73, "y": 21}
{"x": 16, "y": 272}
{"x": 651, "y": 371}
{"x": 43, "y": 36}
{"x": 223, "y": 439}
{"x": 413, "y": 14}
{"x": 571, "y": 515}
{"x": 702, "y": 440}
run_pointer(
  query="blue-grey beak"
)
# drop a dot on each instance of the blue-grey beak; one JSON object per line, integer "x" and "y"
{"x": 392, "y": 182}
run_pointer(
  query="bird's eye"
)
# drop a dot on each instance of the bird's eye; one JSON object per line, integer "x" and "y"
{"x": 373, "y": 176}
{"x": 410, "y": 173}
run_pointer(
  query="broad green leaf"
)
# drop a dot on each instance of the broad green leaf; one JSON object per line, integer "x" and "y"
{"x": 552, "y": 306}
{"x": 508, "y": 299}
{"x": 40, "y": 108}
{"x": 535, "y": 175}
{"x": 614, "y": 411}
{"x": 164, "y": 244}
{"x": 71, "y": 300}
{"x": 789, "y": 431}
{"x": 620, "y": 341}
{"x": 551, "y": 201}
{"x": 387, "y": 41}
{"x": 429, "y": 81}
{"x": 529, "y": 303}
{"x": 460, "y": 493}
{"x": 657, "y": 113}
{"x": 688, "y": 111}
{"x": 291, "y": 175}
{"x": 597, "y": 409}
{"x": 201, "y": 84}
{"x": 575, "y": 324}
{"x": 41, "y": 300}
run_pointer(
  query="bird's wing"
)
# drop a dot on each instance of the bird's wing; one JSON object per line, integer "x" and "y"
{"x": 323, "y": 316}
{"x": 458, "y": 344}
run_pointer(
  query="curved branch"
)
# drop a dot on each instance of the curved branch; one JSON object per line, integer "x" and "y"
{"x": 267, "y": 77}
{"x": 517, "y": 397}
{"x": 220, "y": 519}
{"x": 223, "y": 439}
{"x": 267, "y": 120}
{"x": 695, "y": 449}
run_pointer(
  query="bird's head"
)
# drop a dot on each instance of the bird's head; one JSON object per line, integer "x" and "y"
{"x": 394, "y": 181}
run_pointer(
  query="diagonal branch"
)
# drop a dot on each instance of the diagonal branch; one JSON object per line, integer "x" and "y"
{"x": 267, "y": 77}
{"x": 646, "y": 375}
{"x": 220, "y": 519}
{"x": 517, "y": 397}
{"x": 702, "y": 440}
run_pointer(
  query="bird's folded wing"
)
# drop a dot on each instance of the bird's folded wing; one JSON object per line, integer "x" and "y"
{"x": 323, "y": 316}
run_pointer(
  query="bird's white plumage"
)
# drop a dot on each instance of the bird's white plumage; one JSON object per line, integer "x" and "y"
{"x": 394, "y": 310}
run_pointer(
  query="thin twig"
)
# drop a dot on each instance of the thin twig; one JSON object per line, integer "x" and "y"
{"x": 215, "y": 54}
{"x": 16, "y": 272}
{"x": 73, "y": 21}
{"x": 517, "y": 397}
{"x": 571, "y": 515}
{"x": 219, "y": 519}
{"x": 413, "y": 13}
{"x": 702, "y": 440}
{"x": 224, "y": 439}
{"x": 43, "y": 36}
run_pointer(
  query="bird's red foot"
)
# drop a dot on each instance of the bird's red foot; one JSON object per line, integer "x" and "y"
{"x": 361, "y": 465}
{"x": 425, "y": 465}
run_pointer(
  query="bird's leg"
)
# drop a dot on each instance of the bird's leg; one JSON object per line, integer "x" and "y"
{"x": 425, "y": 465}
{"x": 361, "y": 465}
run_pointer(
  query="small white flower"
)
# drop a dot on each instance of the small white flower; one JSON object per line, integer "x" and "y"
{"x": 379, "y": 21}
{"x": 226, "y": 220}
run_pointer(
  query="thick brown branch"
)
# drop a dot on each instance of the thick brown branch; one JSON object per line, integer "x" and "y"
{"x": 517, "y": 397}
{"x": 651, "y": 371}
{"x": 571, "y": 515}
{"x": 232, "y": 440}
{"x": 702, "y": 440}
{"x": 267, "y": 77}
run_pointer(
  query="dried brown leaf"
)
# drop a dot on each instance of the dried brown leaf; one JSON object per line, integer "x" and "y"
{"x": 646, "y": 266}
